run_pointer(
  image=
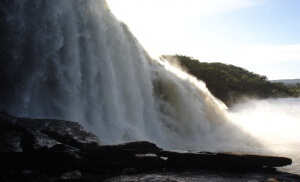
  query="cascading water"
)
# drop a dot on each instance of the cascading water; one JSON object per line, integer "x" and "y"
{"x": 71, "y": 59}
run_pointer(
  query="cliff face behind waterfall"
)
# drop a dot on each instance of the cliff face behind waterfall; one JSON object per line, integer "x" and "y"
{"x": 73, "y": 60}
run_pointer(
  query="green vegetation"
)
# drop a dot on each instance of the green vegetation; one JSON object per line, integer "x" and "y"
{"x": 229, "y": 83}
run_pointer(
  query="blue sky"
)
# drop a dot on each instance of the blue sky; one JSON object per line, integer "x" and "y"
{"x": 272, "y": 22}
{"x": 262, "y": 36}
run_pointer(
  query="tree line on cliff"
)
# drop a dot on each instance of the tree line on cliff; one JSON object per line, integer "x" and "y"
{"x": 230, "y": 83}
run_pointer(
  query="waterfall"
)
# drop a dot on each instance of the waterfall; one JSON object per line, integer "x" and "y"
{"x": 73, "y": 60}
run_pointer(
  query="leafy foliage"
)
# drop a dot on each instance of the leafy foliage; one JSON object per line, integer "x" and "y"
{"x": 229, "y": 82}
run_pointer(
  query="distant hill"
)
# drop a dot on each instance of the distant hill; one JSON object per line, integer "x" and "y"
{"x": 229, "y": 83}
{"x": 287, "y": 81}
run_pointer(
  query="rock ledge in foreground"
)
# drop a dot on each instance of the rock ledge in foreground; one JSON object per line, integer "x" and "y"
{"x": 222, "y": 161}
{"x": 54, "y": 150}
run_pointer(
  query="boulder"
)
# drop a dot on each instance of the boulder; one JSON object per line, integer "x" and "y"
{"x": 26, "y": 135}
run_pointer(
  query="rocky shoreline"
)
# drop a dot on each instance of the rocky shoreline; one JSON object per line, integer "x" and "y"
{"x": 57, "y": 150}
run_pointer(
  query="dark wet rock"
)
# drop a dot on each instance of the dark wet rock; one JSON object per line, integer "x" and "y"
{"x": 56, "y": 150}
{"x": 204, "y": 176}
{"x": 126, "y": 150}
{"x": 129, "y": 171}
{"x": 110, "y": 159}
{"x": 72, "y": 175}
{"x": 26, "y": 135}
{"x": 222, "y": 161}
{"x": 42, "y": 161}
{"x": 10, "y": 140}
{"x": 148, "y": 162}
{"x": 128, "y": 155}
{"x": 62, "y": 148}
{"x": 139, "y": 147}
